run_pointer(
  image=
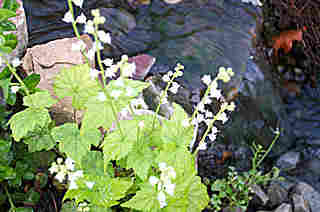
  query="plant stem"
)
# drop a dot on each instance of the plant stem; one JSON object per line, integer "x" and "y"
{"x": 268, "y": 150}
{"x": 13, "y": 207}
{"x": 13, "y": 71}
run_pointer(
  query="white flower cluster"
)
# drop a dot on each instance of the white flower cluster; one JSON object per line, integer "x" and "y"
{"x": 164, "y": 184}
{"x": 254, "y": 2}
{"x": 203, "y": 115}
{"x": 65, "y": 169}
{"x": 91, "y": 27}
{"x": 172, "y": 86}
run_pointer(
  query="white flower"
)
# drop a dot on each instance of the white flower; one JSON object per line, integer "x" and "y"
{"x": 202, "y": 146}
{"x": 16, "y": 62}
{"x": 185, "y": 123}
{"x": 200, "y": 107}
{"x": 78, "y": 2}
{"x": 212, "y": 136}
{"x": 107, "y": 62}
{"x": 111, "y": 71}
{"x": 89, "y": 27}
{"x": 119, "y": 82}
{"x": 75, "y": 175}
{"x": 199, "y": 118}
{"x": 90, "y": 184}
{"x": 115, "y": 93}
{"x": 1, "y": 60}
{"x": 14, "y": 89}
{"x": 214, "y": 130}
{"x": 95, "y": 12}
{"x": 130, "y": 91}
{"x": 208, "y": 114}
{"x": 79, "y": 45}
{"x": 153, "y": 180}
{"x": 141, "y": 124}
{"x": 174, "y": 87}
{"x": 81, "y": 19}
{"x": 73, "y": 185}
{"x": 129, "y": 69}
{"x": 169, "y": 188}
{"x": 91, "y": 53}
{"x": 68, "y": 18}
{"x": 104, "y": 37}
{"x": 60, "y": 176}
{"x": 162, "y": 166}
{"x": 207, "y": 100}
{"x": 139, "y": 103}
{"x": 124, "y": 58}
{"x": 276, "y": 131}
{"x": 215, "y": 93}
{"x": 69, "y": 164}
{"x": 224, "y": 74}
{"x": 54, "y": 168}
{"x": 99, "y": 20}
{"x": 222, "y": 117}
{"x": 171, "y": 173}
{"x": 101, "y": 96}
{"x": 94, "y": 73}
{"x": 206, "y": 79}
{"x": 162, "y": 199}
{"x": 59, "y": 160}
{"x": 166, "y": 78}
{"x": 231, "y": 106}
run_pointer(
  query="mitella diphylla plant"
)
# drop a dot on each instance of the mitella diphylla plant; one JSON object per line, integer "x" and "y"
{"x": 142, "y": 162}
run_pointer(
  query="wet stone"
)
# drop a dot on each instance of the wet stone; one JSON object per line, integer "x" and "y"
{"x": 299, "y": 204}
{"x": 309, "y": 194}
{"x": 277, "y": 194}
{"x": 284, "y": 208}
{"x": 288, "y": 160}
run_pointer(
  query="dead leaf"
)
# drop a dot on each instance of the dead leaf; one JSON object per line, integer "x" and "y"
{"x": 285, "y": 39}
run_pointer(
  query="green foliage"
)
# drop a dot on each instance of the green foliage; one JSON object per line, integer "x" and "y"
{"x": 236, "y": 190}
{"x": 28, "y": 121}
{"x": 76, "y": 82}
{"x": 74, "y": 144}
{"x": 105, "y": 192}
{"x": 6, "y": 172}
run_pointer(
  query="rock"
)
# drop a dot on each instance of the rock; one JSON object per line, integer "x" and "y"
{"x": 260, "y": 198}
{"x": 288, "y": 161}
{"x": 284, "y": 208}
{"x": 143, "y": 64}
{"x": 299, "y": 203}
{"x": 233, "y": 209}
{"x": 309, "y": 194}
{"x": 277, "y": 194}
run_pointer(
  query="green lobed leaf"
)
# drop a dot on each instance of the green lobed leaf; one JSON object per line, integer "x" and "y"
{"x": 5, "y": 14}
{"x": 76, "y": 146}
{"x": 116, "y": 147}
{"x": 98, "y": 114}
{"x": 41, "y": 99}
{"x": 174, "y": 132}
{"x": 105, "y": 192}
{"x": 27, "y": 121}
{"x": 144, "y": 200}
{"x": 141, "y": 158}
{"x": 190, "y": 196}
{"x": 77, "y": 83}
{"x": 92, "y": 163}
{"x": 129, "y": 88}
{"x": 39, "y": 142}
{"x": 181, "y": 160}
